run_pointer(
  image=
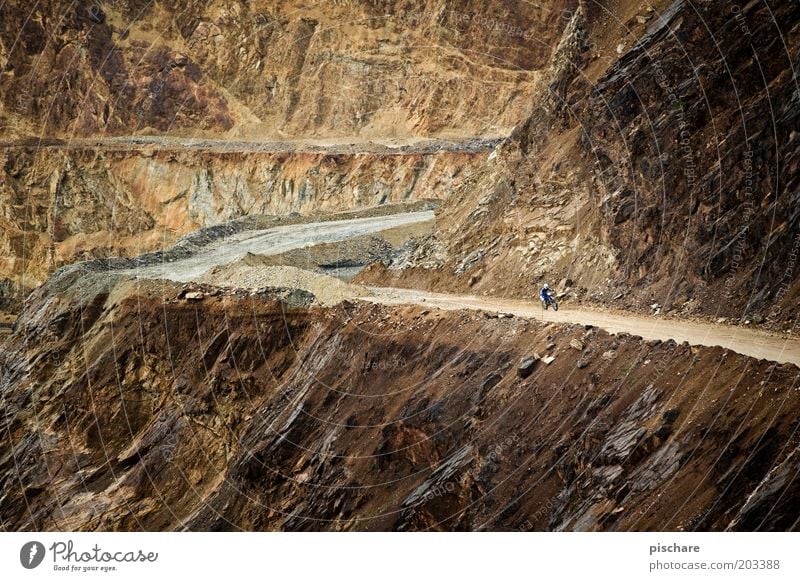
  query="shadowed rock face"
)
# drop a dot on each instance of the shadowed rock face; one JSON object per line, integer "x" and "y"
{"x": 276, "y": 68}
{"x": 695, "y": 135}
{"x": 129, "y": 408}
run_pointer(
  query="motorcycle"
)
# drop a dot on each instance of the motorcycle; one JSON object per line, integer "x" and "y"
{"x": 550, "y": 301}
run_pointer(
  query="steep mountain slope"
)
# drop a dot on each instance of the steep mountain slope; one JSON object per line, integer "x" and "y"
{"x": 660, "y": 165}
{"x": 394, "y": 67}
{"x": 128, "y": 406}
{"x": 655, "y": 162}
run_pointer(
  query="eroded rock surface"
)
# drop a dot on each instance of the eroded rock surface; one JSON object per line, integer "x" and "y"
{"x": 269, "y": 67}
{"x": 659, "y": 165}
{"x": 128, "y": 406}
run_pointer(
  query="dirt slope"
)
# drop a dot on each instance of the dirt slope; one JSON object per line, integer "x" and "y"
{"x": 273, "y": 241}
{"x": 127, "y": 408}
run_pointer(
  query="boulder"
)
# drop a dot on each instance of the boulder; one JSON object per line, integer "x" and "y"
{"x": 527, "y": 365}
{"x": 565, "y": 284}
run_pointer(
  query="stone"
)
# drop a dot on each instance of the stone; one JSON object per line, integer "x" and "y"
{"x": 670, "y": 415}
{"x": 526, "y": 366}
{"x": 566, "y": 283}
{"x": 194, "y": 296}
{"x": 663, "y": 432}
{"x": 576, "y": 344}
{"x": 621, "y": 442}
{"x": 490, "y": 381}
{"x": 471, "y": 260}
{"x": 582, "y": 364}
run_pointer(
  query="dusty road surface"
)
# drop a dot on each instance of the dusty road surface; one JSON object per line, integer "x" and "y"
{"x": 284, "y": 238}
{"x": 750, "y": 342}
{"x": 274, "y": 241}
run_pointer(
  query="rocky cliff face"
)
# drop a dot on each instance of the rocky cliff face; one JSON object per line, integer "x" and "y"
{"x": 129, "y": 408}
{"x": 699, "y": 175}
{"x": 334, "y": 72}
{"x": 660, "y": 164}
{"x": 345, "y": 68}
{"x": 63, "y": 205}
{"x": 656, "y": 161}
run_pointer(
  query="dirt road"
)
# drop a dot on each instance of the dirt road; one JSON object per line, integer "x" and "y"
{"x": 750, "y": 342}
{"x": 283, "y": 238}
{"x": 274, "y": 241}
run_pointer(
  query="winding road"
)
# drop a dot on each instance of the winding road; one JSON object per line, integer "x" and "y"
{"x": 275, "y": 241}
{"x": 746, "y": 341}
{"x": 399, "y": 146}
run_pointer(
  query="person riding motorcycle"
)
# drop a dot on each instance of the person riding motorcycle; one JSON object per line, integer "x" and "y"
{"x": 545, "y": 294}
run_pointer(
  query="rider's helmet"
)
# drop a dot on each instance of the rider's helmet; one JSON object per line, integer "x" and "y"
{"x": 546, "y": 286}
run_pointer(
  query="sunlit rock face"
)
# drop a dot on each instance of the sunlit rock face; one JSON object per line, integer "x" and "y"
{"x": 273, "y": 68}
{"x": 59, "y": 206}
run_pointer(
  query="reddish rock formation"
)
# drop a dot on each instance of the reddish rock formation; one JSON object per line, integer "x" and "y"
{"x": 660, "y": 164}
{"x": 128, "y": 408}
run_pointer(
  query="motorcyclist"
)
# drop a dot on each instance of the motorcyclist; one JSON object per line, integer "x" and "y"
{"x": 545, "y": 294}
